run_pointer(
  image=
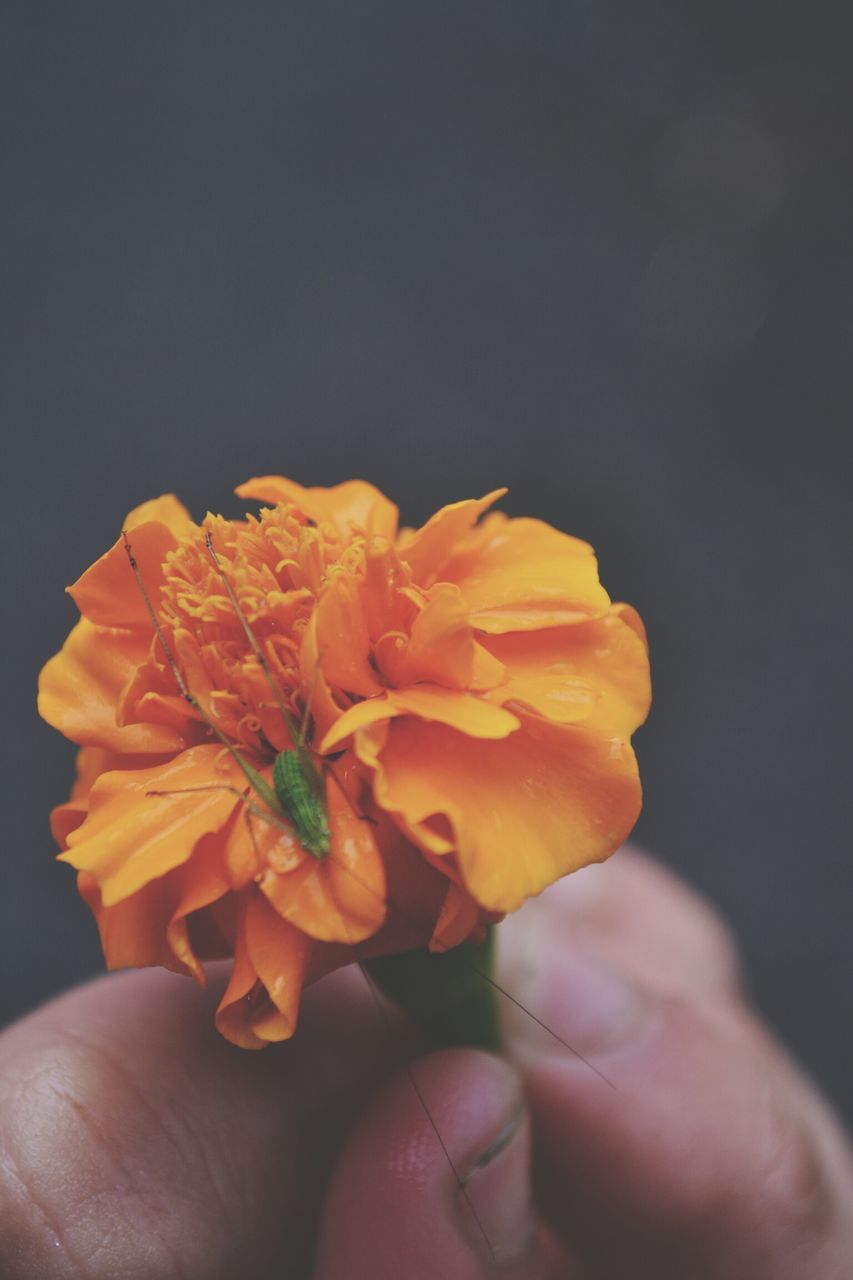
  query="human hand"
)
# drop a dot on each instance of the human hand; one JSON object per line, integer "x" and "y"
{"x": 137, "y": 1144}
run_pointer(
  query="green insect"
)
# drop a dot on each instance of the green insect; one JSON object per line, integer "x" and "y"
{"x": 300, "y": 792}
{"x": 297, "y": 798}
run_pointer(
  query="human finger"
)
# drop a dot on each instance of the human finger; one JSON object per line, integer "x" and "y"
{"x": 136, "y": 1141}
{"x": 683, "y": 1142}
{"x": 435, "y": 1181}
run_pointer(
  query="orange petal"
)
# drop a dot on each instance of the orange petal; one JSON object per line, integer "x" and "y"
{"x": 355, "y": 503}
{"x": 522, "y": 812}
{"x": 235, "y": 1010}
{"x": 256, "y": 841}
{"x": 596, "y": 672}
{"x": 442, "y": 647}
{"x": 459, "y": 917}
{"x": 65, "y": 818}
{"x": 165, "y": 510}
{"x": 81, "y": 687}
{"x": 463, "y": 711}
{"x": 133, "y": 932}
{"x": 90, "y": 764}
{"x": 632, "y": 619}
{"x": 342, "y": 638}
{"x": 386, "y": 600}
{"x": 340, "y": 898}
{"x": 131, "y": 837}
{"x": 371, "y": 711}
{"x": 151, "y": 926}
{"x": 520, "y": 575}
{"x": 108, "y": 593}
{"x": 279, "y": 955}
{"x": 201, "y": 881}
{"x": 271, "y": 952}
{"x": 427, "y": 549}
{"x": 324, "y": 709}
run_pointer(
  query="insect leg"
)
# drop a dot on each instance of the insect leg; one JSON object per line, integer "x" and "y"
{"x": 250, "y": 805}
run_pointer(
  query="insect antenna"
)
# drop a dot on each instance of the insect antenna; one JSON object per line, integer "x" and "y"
{"x": 259, "y": 784}
{"x": 443, "y": 949}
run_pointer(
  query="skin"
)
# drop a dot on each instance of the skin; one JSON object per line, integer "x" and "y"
{"x": 134, "y": 1142}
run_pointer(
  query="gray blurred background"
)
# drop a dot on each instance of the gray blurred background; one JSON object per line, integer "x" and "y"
{"x": 600, "y": 252}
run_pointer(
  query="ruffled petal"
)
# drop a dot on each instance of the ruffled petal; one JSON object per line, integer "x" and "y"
{"x": 239, "y": 1000}
{"x": 385, "y": 592}
{"x": 459, "y": 917}
{"x": 133, "y": 932}
{"x": 632, "y": 619}
{"x": 342, "y": 638}
{"x": 151, "y": 927}
{"x": 520, "y": 575}
{"x": 261, "y": 1001}
{"x": 108, "y": 592}
{"x": 167, "y": 510}
{"x": 65, "y": 818}
{"x": 463, "y": 711}
{"x": 353, "y": 504}
{"x": 596, "y": 672}
{"x": 521, "y": 812}
{"x": 426, "y": 550}
{"x": 257, "y": 841}
{"x": 81, "y": 687}
{"x": 201, "y": 881}
{"x": 441, "y": 647}
{"x": 324, "y": 709}
{"x": 89, "y": 764}
{"x": 340, "y": 898}
{"x": 132, "y": 836}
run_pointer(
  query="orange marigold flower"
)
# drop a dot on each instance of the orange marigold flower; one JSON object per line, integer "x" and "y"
{"x": 468, "y": 693}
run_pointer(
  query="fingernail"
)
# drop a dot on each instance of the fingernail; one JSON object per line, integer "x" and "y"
{"x": 495, "y": 1196}
{"x": 583, "y": 1003}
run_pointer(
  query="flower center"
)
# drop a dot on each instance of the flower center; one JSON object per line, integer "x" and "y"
{"x": 275, "y": 567}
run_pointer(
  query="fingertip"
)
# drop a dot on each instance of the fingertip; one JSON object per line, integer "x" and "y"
{"x": 435, "y": 1178}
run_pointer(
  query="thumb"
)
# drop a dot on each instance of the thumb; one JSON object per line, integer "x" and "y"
{"x": 703, "y": 1152}
{"x": 435, "y": 1180}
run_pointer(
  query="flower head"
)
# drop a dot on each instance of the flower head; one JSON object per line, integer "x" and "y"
{"x": 453, "y": 704}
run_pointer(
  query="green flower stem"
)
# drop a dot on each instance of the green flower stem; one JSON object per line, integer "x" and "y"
{"x": 446, "y": 993}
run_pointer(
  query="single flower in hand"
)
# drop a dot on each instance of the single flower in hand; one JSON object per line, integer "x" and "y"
{"x": 310, "y": 737}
